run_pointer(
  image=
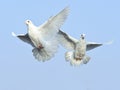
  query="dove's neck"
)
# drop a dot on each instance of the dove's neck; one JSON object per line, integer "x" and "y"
{"x": 82, "y": 41}
{"x": 31, "y": 27}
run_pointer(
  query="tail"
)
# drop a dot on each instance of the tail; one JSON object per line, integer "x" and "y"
{"x": 41, "y": 54}
{"x": 69, "y": 56}
{"x": 49, "y": 50}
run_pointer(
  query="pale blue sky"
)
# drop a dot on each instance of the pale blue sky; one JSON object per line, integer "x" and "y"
{"x": 98, "y": 19}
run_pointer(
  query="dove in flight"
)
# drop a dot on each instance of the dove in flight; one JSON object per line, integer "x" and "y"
{"x": 77, "y": 48}
{"x": 43, "y": 38}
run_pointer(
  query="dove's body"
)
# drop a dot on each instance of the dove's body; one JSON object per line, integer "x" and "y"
{"x": 79, "y": 54}
{"x": 43, "y": 38}
{"x": 80, "y": 50}
{"x": 34, "y": 35}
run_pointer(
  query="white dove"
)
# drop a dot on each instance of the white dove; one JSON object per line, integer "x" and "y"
{"x": 78, "y": 48}
{"x": 43, "y": 38}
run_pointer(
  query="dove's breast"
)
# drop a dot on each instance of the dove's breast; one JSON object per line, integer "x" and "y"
{"x": 35, "y": 37}
{"x": 80, "y": 50}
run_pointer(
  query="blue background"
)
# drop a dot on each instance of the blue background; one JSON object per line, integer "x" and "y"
{"x": 98, "y": 19}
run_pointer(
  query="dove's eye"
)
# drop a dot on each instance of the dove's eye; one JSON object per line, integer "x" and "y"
{"x": 28, "y": 21}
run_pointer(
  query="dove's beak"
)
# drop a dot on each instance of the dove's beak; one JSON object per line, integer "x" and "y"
{"x": 26, "y": 23}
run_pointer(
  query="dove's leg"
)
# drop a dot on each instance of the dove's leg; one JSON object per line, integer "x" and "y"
{"x": 79, "y": 56}
{"x": 40, "y": 46}
{"x": 78, "y": 59}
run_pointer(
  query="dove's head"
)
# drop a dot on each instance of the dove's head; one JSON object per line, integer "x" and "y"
{"x": 28, "y": 22}
{"x": 82, "y": 36}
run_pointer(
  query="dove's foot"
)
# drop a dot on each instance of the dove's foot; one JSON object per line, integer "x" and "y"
{"x": 40, "y": 47}
{"x": 78, "y": 59}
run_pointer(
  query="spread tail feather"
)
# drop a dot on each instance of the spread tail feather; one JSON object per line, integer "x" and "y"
{"x": 41, "y": 54}
{"x": 69, "y": 56}
{"x": 50, "y": 48}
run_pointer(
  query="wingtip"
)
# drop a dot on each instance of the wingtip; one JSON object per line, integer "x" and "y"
{"x": 13, "y": 34}
{"x": 110, "y": 42}
{"x": 67, "y": 8}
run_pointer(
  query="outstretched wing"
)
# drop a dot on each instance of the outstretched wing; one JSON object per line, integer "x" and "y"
{"x": 52, "y": 26}
{"x": 66, "y": 41}
{"x": 92, "y": 45}
{"x": 24, "y": 38}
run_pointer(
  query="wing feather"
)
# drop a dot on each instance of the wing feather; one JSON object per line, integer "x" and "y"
{"x": 66, "y": 41}
{"x": 24, "y": 38}
{"x": 52, "y": 26}
{"x": 92, "y": 45}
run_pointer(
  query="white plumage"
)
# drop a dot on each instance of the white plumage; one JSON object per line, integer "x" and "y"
{"x": 77, "y": 48}
{"x": 43, "y": 38}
